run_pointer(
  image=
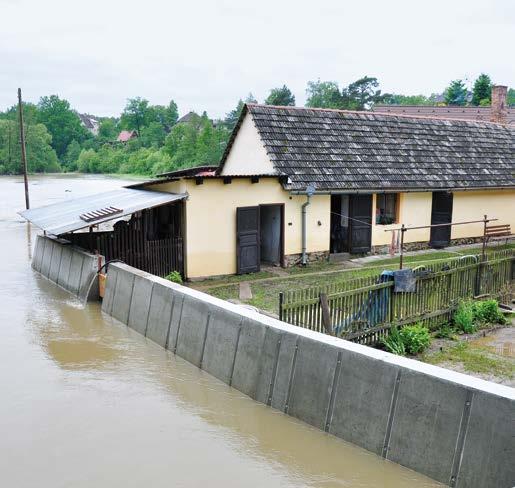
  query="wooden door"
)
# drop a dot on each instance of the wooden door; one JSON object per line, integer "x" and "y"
{"x": 360, "y": 213}
{"x": 441, "y": 213}
{"x": 247, "y": 240}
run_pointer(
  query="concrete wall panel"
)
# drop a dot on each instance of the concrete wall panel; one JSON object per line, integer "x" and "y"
{"x": 107, "y": 302}
{"x": 192, "y": 330}
{"x": 88, "y": 286}
{"x": 363, "y": 396}
{"x": 221, "y": 342}
{"x": 162, "y": 303}
{"x": 426, "y": 424}
{"x": 53, "y": 272}
{"x": 283, "y": 371}
{"x": 64, "y": 269}
{"x": 253, "y": 363}
{"x": 123, "y": 294}
{"x": 140, "y": 303}
{"x": 47, "y": 257}
{"x": 39, "y": 249}
{"x": 488, "y": 456}
{"x": 312, "y": 382}
{"x": 75, "y": 275}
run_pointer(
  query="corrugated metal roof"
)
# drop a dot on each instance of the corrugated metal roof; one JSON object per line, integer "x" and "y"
{"x": 62, "y": 217}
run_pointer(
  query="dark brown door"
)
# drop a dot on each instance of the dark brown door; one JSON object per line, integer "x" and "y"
{"x": 360, "y": 213}
{"x": 441, "y": 213}
{"x": 247, "y": 239}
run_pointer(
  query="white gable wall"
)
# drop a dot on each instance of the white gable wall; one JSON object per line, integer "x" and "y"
{"x": 248, "y": 155}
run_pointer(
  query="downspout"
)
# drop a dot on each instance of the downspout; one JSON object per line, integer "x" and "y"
{"x": 310, "y": 190}
{"x": 304, "y": 230}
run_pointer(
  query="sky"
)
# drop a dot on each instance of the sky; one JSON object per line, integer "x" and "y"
{"x": 206, "y": 54}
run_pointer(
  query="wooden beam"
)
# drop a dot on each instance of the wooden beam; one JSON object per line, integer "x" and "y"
{"x": 254, "y": 179}
{"x": 199, "y": 180}
{"x": 227, "y": 180}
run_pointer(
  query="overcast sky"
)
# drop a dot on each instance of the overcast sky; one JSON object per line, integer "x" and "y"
{"x": 205, "y": 54}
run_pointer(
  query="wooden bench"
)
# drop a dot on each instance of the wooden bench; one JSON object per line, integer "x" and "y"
{"x": 498, "y": 232}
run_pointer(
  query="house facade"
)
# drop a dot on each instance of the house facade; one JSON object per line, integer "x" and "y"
{"x": 296, "y": 185}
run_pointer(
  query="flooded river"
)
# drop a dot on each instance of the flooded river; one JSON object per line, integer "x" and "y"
{"x": 87, "y": 402}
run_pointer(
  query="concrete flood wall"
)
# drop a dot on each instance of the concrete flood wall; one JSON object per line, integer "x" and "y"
{"x": 448, "y": 426}
{"x": 69, "y": 267}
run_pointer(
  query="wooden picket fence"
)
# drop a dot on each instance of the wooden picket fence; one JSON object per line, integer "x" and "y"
{"x": 363, "y": 309}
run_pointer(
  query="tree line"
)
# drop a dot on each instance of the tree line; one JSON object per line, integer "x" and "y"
{"x": 57, "y": 141}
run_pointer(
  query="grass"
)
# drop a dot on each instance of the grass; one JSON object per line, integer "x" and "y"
{"x": 474, "y": 359}
{"x": 266, "y": 285}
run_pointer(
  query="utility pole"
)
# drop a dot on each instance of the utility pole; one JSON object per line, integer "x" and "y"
{"x": 23, "y": 153}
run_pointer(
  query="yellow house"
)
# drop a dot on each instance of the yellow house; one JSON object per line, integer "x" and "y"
{"x": 297, "y": 184}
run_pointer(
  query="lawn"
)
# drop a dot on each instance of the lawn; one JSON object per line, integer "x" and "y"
{"x": 266, "y": 287}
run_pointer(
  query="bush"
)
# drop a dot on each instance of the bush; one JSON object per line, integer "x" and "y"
{"x": 464, "y": 317}
{"x": 394, "y": 343}
{"x": 487, "y": 312}
{"x": 174, "y": 277}
{"x": 415, "y": 338}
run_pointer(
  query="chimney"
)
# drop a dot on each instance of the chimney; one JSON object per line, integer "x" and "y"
{"x": 499, "y": 109}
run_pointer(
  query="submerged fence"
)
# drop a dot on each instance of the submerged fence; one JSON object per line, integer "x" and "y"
{"x": 363, "y": 310}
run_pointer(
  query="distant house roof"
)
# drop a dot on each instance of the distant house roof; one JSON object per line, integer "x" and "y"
{"x": 126, "y": 135}
{"x": 338, "y": 150}
{"x": 90, "y": 122}
{"x": 186, "y": 118}
{"x": 448, "y": 112}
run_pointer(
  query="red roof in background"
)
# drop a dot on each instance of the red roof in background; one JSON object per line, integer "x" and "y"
{"x": 126, "y": 135}
{"x": 206, "y": 173}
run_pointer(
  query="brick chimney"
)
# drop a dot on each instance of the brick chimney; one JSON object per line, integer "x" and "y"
{"x": 499, "y": 109}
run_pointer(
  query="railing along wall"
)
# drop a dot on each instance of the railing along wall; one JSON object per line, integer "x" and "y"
{"x": 363, "y": 310}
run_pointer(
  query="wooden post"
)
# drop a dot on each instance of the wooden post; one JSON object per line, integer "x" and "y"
{"x": 23, "y": 153}
{"x": 485, "y": 221}
{"x": 403, "y": 229}
{"x": 281, "y": 300}
{"x": 326, "y": 314}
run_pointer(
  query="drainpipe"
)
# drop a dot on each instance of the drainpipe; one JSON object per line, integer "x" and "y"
{"x": 310, "y": 190}
{"x": 304, "y": 231}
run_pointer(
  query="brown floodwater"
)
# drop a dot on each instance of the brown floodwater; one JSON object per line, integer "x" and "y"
{"x": 87, "y": 402}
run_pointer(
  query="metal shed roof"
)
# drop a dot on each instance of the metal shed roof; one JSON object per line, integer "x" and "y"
{"x": 62, "y": 217}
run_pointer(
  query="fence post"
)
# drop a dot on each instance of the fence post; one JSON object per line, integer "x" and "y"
{"x": 326, "y": 314}
{"x": 281, "y": 301}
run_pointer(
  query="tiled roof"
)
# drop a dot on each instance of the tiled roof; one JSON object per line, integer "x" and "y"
{"x": 126, "y": 135}
{"x": 342, "y": 150}
{"x": 437, "y": 112}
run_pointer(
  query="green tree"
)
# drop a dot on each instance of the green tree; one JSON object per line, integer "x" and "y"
{"x": 41, "y": 157}
{"x": 107, "y": 130}
{"x": 511, "y": 97}
{"x": 362, "y": 94}
{"x": 72, "y": 155}
{"x": 456, "y": 93}
{"x": 232, "y": 117}
{"x": 323, "y": 94}
{"x": 482, "y": 90}
{"x": 136, "y": 114}
{"x": 180, "y": 144}
{"x": 88, "y": 161}
{"x": 281, "y": 96}
{"x": 153, "y": 135}
{"x": 61, "y": 121}
{"x": 166, "y": 116}
{"x": 395, "y": 99}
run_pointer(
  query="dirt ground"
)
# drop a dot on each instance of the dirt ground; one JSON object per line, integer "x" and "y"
{"x": 487, "y": 354}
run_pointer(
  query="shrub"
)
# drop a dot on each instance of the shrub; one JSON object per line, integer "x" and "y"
{"x": 393, "y": 343}
{"x": 464, "y": 317}
{"x": 415, "y": 338}
{"x": 174, "y": 277}
{"x": 488, "y": 312}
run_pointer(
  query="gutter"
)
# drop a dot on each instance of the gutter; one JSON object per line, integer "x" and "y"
{"x": 400, "y": 190}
